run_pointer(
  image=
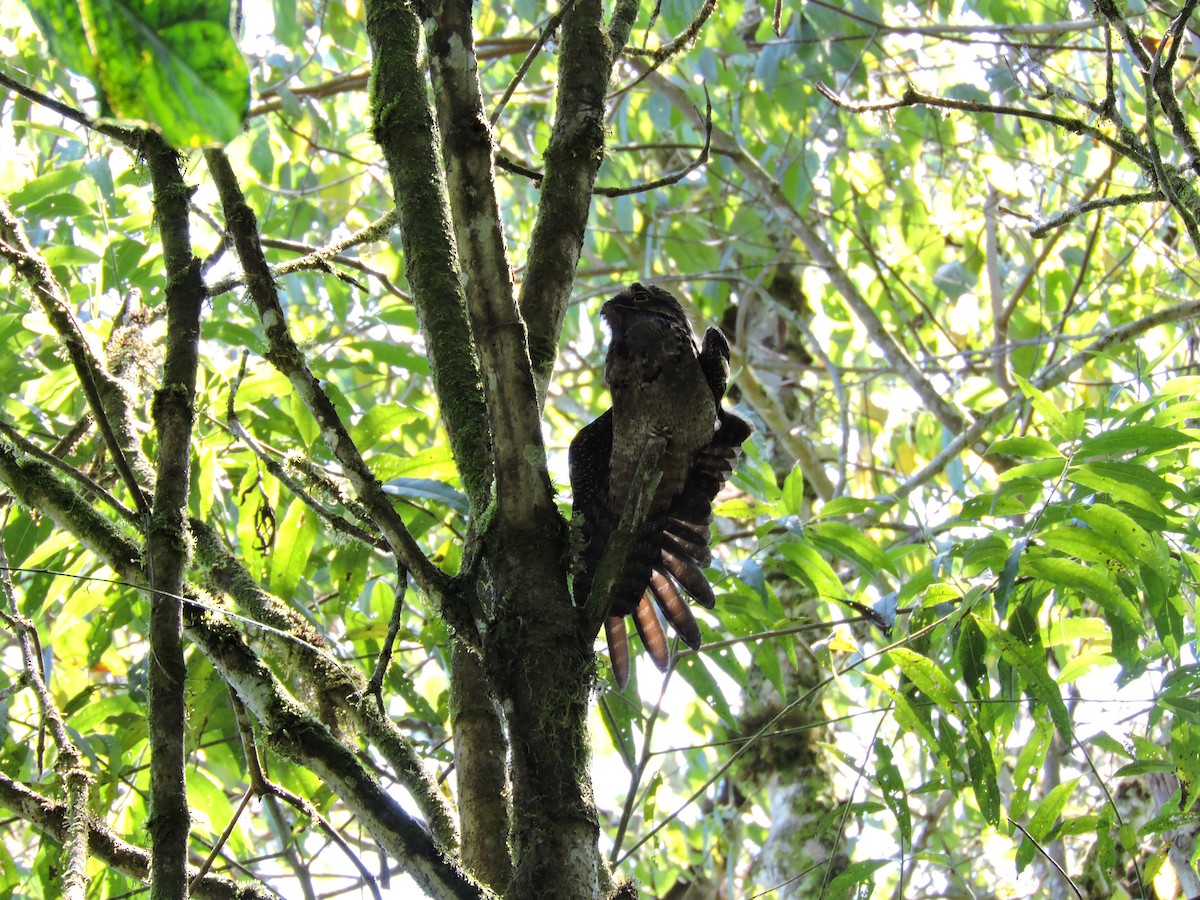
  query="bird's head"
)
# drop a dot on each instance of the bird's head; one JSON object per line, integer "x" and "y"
{"x": 641, "y": 299}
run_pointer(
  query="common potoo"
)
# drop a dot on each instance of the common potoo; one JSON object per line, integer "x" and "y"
{"x": 663, "y": 385}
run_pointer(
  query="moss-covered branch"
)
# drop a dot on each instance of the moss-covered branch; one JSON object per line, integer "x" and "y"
{"x": 38, "y": 486}
{"x": 291, "y": 730}
{"x": 70, "y": 764}
{"x": 167, "y": 538}
{"x": 286, "y": 356}
{"x": 404, "y": 129}
{"x": 523, "y": 490}
{"x": 50, "y": 817}
{"x": 573, "y": 158}
{"x": 105, "y": 396}
{"x": 337, "y": 690}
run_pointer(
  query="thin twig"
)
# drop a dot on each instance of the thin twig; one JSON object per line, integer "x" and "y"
{"x": 550, "y": 27}
{"x": 535, "y": 176}
{"x": 1069, "y": 215}
{"x": 913, "y": 97}
{"x": 1050, "y": 859}
{"x": 375, "y": 685}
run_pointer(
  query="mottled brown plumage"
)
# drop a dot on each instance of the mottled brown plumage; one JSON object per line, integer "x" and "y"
{"x": 663, "y": 385}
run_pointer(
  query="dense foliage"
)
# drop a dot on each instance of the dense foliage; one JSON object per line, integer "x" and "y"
{"x": 954, "y": 249}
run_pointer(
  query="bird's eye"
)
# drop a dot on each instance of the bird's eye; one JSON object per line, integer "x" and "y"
{"x": 640, "y": 297}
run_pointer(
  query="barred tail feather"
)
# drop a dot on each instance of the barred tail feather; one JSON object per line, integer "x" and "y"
{"x": 690, "y": 578}
{"x": 675, "y": 609}
{"x": 650, "y": 628}
{"x": 618, "y": 648}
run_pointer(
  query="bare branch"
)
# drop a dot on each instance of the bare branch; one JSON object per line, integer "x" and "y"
{"x": 105, "y": 845}
{"x": 1070, "y": 215}
{"x": 287, "y": 357}
{"x": 602, "y": 191}
{"x": 913, "y": 97}
{"x": 548, "y": 29}
{"x": 105, "y": 396}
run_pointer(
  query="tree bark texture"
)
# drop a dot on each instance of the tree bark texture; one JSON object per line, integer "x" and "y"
{"x": 167, "y": 556}
{"x": 491, "y": 359}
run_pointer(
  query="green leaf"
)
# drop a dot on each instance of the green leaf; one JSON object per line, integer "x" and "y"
{"x": 930, "y": 678}
{"x": 1028, "y": 660}
{"x": 380, "y": 422}
{"x": 1088, "y": 580}
{"x": 173, "y": 64}
{"x": 793, "y": 491}
{"x": 840, "y": 539}
{"x": 906, "y": 716}
{"x": 1122, "y": 531}
{"x": 1043, "y": 821}
{"x": 1133, "y": 440}
{"x": 435, "y": 463}
{"x": 1087, "y": 546}
{"x": 421, "y": 489}
{"x": 1029, "y": 446}
{"x": 854, "y": 879}
{"x": 618, "y": 714}
{"x": 293, "y": 545}
{"x": 61, "y": 178}
{"x": 1026, "y": 770}
{"x": 694, "y": 670}
{"x": 891, "y": 786}
{"x": 810, "y": 566}
{"x": 981, "y": 766}
{"x": 1185, "y": 751}
{"x": 1182, "y": 681}
{"x": 971, "y": 653}
{"x": 1045, "y": 406}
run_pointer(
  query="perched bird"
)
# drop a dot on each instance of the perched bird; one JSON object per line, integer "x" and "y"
{"x": 663, "y": 386}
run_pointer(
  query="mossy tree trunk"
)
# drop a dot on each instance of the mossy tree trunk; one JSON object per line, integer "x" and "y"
{"x": 521, "y": 642}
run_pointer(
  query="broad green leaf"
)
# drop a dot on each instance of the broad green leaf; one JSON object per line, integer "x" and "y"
{"x": 62, "y": 26}
{"x": 618, "y": 714}
{"x": 971, "y": 654}
{"x": 1088, "y": 580}
{"x": 293, "y": 545}
{"x": 929, "y": 677}
{"x": 793, "y": 491}
{"x": 906, "y": 717}
{"x": 981, "y": 766}
{"x": 1045, "y": 406}
{"x": 1182, "y": 681}
{"x": 855, "y": 878}
{"x": 1028, "y": 766}
{"x": 1043, "y": 820}
{"x": 1028, "y": 446}
{"x": 1029, "y": 661}
{"x": 1134, "y": 440}
{"x": 172, "y": 64}
{"x": 61, "y": 178}
{"x": 380, "y": 422}
{"x": 809, "y": 565}
{"x": 422, "y": 489}
{"x": 1185, "y": 751}
{"x": 1080, "y": 664}
{"x": 1121, "y": 530}
{"x": 840, "y": 507}
{"x": 435, "y": 463}
{"x": 1087, "y": 546}
{"x": 1069, "y": 629}
{"x": 846, "y": 541}
{"x": 693, "y": 669}
{"x": 891, "y": 786}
